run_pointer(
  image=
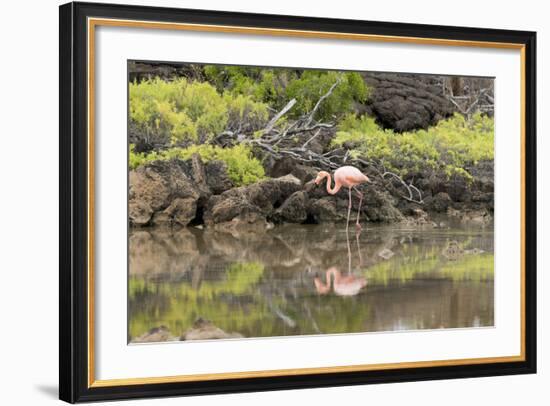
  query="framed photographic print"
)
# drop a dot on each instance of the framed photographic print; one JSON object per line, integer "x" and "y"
{"x": 257, "y": 202}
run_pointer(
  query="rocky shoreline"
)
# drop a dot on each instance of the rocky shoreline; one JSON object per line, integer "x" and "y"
{"x": 180, "y": 193}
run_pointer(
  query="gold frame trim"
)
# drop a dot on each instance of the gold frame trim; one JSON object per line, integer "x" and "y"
{"x": 94, "y": 22}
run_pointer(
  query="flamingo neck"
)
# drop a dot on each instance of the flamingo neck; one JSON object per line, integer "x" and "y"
{"x": 330, "y": 189}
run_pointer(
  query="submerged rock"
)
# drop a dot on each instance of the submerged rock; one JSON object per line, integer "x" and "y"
{"x": 156, "y": 334}
{"x": 205, "y": 330}
{"x": 386, "y": 253}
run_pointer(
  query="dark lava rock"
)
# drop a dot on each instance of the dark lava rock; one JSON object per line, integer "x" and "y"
{"x": 325, "y": 210}
{"x": 440, "y": 202}
{"x": 216, "y": 177}
{"x": 257, "y": 201}
{"x": 180, "y": 212}
{"x": 294, "y": 209}
{"x": 405, "y": 102}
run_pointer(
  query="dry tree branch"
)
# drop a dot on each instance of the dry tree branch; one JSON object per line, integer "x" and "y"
{"x": 410, "y": 188}
{"x": 277, "y": 116}
{"x": 320, "y": 101}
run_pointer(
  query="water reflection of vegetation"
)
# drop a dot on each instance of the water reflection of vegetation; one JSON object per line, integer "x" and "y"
{"x": 181, "y": 304}
{"x": 227, "y": 280}
{"x": 413, "y": 263}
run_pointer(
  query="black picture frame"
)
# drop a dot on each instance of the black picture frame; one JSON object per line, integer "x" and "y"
{"x": 74, "y": 199}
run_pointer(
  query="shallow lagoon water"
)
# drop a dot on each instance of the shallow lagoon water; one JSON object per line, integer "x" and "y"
{"x": 311, "y": 279}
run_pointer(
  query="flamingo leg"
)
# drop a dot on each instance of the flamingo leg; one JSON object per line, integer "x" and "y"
{"x": 357, "y": 225}
{"x": 349, "y": 209}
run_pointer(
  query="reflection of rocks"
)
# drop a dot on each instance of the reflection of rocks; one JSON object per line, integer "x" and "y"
{"x": 154, "y": 335}
{"x": 206, "y": 330}
{"x": 162, "y": 252}
{"x": 386, "y": 254}
{"x": 188, "y": 254}
{"x": 453, "y": 251}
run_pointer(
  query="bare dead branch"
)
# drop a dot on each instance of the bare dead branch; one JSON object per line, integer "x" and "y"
{"x": 409, "y": 187}
{"x": 311, "y": 138}
{"x": 277, "y": 116}
{"x": 320, "y": 101}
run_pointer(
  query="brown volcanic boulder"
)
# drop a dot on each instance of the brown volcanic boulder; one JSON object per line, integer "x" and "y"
{"x": 163, "y": 186}
{"x": 325, "y": 209}
{"x": 294, "y": 209}
{"x": 180, "y": 212}
{"x": 139, "y": 212}
{"x": 175, "y": 192}
{"x": 441, "y": 202}
{"x": 216, "y": 177}
{"x": 257, "y": 201}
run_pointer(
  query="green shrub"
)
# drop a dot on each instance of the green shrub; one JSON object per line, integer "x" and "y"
{"x": 242, "y": 167}
{"x": 276, "y": 86}
{"x": 447, "y": 147}
{"x": 182, "y": 112}
{"x": 311, "y": 85}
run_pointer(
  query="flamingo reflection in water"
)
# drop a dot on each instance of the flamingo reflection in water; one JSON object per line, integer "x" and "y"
{"x": 342, "y": 285}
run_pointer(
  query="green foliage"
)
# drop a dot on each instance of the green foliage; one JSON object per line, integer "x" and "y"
{"x": 262, "y": 84}
{"x": 276, "y": 86}
{"x": 242, "y": 167}
{"x": 182, "y": 112}
{"x": 313, "y": 84}
{"x": 447, "y": 147}
{"x": 244, "y": 114}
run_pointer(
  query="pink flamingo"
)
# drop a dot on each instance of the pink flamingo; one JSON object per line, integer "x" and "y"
{"x": 349, "y": 285}
{"x": 346, "y": 176}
